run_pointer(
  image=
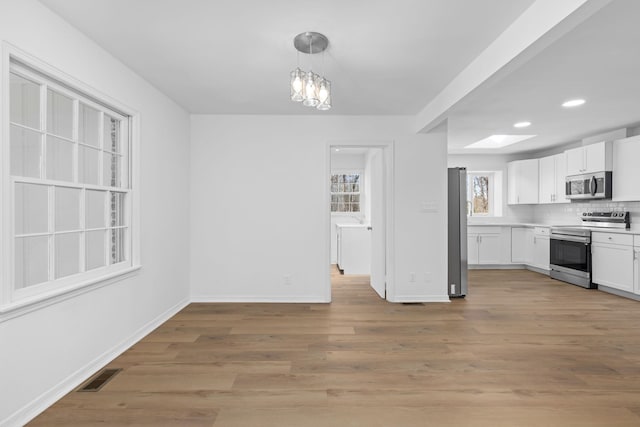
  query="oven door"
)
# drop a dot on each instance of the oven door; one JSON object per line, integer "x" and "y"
{"x": 570, "y": 255}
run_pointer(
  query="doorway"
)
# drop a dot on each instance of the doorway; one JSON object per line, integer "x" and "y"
{"x": 359, "y": 180}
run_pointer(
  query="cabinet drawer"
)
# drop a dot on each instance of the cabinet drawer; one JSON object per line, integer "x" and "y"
{"x": 612, "y": 238}
{"x": 541, "y": 231}
{"x": 483, "y": 230}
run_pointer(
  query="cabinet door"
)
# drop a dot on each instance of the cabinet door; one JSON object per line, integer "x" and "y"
{"x": 520, "y": 246}
{"x": 626, "y": 173}
{"x": 575, "y": 161}
{"x": 355, "y": 255}
{"x": 490, "y": 249}
{"x": 339, "y": 247}
{"x": 512, "y": 191}
{"x": 522, "y": 181}
{"x": 595, "y": 157}
{"x": 547, "y": 180}
{"x": 612, "y": 266}
{"x": 541, "y": 252}
{"x": 636, "y": 271}
{"x": 561, "y": 179}
{"x": 472, "y": 248}
{"x": 528, "y": 181}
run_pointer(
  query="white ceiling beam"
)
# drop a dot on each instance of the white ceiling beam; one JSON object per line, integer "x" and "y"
{"x": 544, "y": 22}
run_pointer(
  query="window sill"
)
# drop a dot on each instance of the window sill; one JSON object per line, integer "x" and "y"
{"x": 27, "y": 305}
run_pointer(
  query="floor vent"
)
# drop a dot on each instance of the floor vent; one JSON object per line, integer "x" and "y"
{"x": 412, "y": 303}
{"x": 100, "y": 380}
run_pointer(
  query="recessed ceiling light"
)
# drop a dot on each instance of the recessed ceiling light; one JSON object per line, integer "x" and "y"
{"x": 337, "y": 149}
{"x": 573, "y": 103}
{"x": 522, "y": 124}
{"x": 499, "y": 141}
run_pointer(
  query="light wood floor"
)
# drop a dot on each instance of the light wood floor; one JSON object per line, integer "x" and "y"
{"x": 520, "y": 350}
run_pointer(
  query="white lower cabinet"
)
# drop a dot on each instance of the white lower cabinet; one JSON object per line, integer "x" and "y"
{"x": 530, "y": 246}
{"x": 612, "y": 260}
{"x": 521, "y": 245}
{"x": 484, "y": 245}
{"x": 354, "y": 249}
{"x": 541, "y": 249}
{"x": 636, "y": 264}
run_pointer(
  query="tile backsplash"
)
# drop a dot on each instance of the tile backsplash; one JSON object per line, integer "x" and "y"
{"x": 568, "y": 213}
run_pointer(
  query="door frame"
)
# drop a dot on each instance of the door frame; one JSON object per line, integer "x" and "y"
{"x": 388, "y": 148}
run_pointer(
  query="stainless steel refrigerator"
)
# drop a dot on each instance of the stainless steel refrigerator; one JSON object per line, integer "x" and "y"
{"x": 457, "y": 178}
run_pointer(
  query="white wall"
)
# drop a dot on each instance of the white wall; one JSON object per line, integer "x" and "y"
{"x": 260, "y": 205}
{"x": 347, "y": 161}
{"x": 45, "y": 352}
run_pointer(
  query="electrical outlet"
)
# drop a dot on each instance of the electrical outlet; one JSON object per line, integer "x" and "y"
{"x": 412, "y": 277}
{"x": 287, "y": 280}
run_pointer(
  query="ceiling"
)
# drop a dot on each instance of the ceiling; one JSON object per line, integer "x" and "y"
{"x": 598, "y": 61}
{"x": 384, "y": 58}
{"x": 235, "y": 56}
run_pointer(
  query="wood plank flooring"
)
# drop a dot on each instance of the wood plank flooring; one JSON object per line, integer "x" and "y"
{"x": 520, "y": 350}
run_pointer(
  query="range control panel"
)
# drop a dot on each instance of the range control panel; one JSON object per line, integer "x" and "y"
{"x": 607, "y": 219}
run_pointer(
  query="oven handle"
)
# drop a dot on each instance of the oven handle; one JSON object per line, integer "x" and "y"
{"x": 585, "y": 240}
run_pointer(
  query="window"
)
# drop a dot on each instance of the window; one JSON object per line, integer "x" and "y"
{"x": 69, "y": 194}
{"x": 484, "y": 193}
{"x": 345, "y": 192}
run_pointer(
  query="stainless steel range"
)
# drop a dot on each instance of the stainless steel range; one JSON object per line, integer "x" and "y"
{"x": 570, "y": 248}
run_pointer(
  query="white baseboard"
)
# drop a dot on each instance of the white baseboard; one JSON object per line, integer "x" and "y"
{"x": 538, "y": 270}
{"x": 422, "y": 298}
{"x": 49, "y": 397}
{"x": 618, "y": 292}
{"x": 496, "y": 266}
{"x": 259, "y": 299}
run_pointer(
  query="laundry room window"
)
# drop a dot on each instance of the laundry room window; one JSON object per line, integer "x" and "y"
{"x": 345, "y": 192}
{"x": 69, "y": 197}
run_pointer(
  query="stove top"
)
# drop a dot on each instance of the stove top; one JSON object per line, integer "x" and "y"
{"x": 590, "y": 220}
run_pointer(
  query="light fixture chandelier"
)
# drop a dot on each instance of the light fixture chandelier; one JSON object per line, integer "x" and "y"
{"x": 307, "y": 87}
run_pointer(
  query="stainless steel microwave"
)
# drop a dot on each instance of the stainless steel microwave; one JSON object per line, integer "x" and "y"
{"x": 595, "y": 185}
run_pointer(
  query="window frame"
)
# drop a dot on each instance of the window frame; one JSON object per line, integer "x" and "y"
{"x": 491, "y": 175}
{"x": 360, "y": 193}
{"x": 11, "y": 299}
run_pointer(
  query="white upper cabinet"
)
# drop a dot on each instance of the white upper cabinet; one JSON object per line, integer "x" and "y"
{"x": 552, "y": 179}
{"x": 522, "y": 182}
{"x": 626, "y": 170}
{"x": 590, "y": 158}
{"x": 575, "y": 161}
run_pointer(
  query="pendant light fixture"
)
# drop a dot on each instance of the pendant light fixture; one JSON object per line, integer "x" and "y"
{"x": 308, "y": 87}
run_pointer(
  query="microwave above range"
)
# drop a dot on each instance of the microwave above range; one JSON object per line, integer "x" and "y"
{"x": 595, "y": 185}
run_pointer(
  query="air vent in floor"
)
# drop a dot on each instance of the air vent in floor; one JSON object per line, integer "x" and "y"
{"x": 100, "y": 380}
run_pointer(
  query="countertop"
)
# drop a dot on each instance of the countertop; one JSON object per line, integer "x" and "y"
{"x": 634, "y": 230}
{"x": 352, "y": 225}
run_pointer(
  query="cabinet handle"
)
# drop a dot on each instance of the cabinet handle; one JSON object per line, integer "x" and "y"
{"x": 479, "y": 239}
{"x": 535, "y": 240}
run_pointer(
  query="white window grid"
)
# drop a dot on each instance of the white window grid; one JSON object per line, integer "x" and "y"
{"x": 342, "y": 192}
{"x": 112, "y": 262}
